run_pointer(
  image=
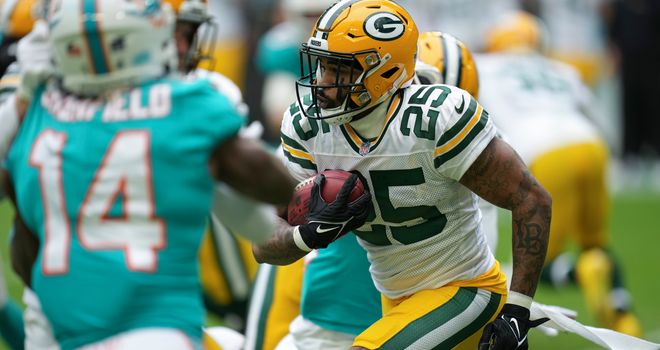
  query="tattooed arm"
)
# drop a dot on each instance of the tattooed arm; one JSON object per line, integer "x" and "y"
{"x": 500, "y": 177}
{"x": 280, "y": 249}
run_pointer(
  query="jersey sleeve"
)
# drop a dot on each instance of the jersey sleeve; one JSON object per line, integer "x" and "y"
{"x": 295, "y": 153}
{"x": 465, "y": 131}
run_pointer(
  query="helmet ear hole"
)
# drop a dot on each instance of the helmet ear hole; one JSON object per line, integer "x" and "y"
{"x": 390, "y": 72}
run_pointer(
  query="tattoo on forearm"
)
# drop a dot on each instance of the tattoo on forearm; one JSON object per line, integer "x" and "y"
{"x": 529, "y": 237}
{"x": 280, "y": 249}
{"x": 500, "y": 176}
{"x": 531, "y": 225}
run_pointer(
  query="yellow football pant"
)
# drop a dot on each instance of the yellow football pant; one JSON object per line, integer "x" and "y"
{"x": 227, "y": 269}
{"x": 274, "y": 304}
{"x": 450, "y": 317}
{"x": 575, "y": 177}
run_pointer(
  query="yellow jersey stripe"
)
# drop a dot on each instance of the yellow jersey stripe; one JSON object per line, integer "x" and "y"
{"x": 461, "y": 135}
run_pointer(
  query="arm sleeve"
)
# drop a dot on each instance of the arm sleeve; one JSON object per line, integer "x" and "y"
{"x": 465, "y": 131}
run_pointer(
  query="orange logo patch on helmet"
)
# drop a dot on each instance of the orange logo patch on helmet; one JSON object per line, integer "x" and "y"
{"x": 384, "y": 26}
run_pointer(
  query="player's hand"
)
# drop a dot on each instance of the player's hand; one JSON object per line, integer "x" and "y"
{"x": 509, "y": 330}
{"x": 35, "y": 60}
{"x": 328, "y": 222}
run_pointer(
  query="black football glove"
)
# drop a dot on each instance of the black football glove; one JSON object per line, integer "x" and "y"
{"x": 328, "y": 222}
{"x": 509, "y": 330}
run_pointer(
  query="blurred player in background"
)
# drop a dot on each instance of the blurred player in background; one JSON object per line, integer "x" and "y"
{"x": 364, "y": 115}
{"x": 576, "y": 34}
{"x": 16, "y": 20}
{"x": 468, "y": 20}
{"x": 543, "y": 108}
{"x": 278, "y": 58}
{"x": 124, "y": 202}
{"x": 229, "y": 46}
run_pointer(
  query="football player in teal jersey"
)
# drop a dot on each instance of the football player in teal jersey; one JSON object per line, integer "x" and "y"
{"x": 111, "y": 172}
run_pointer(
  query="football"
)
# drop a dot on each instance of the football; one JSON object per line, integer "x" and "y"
{"x": 334, "y": 179}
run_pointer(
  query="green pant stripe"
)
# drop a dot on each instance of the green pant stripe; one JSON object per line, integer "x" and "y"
{"x": 265, "y": 309}
{"x": 473, "y": 327}
{"x": 434, "y": 319}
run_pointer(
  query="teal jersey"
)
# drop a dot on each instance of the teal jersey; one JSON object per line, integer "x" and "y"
{"x": 338, "y": 293}
{"x": 118, "y": 192}
{"x": 278, "y": 49}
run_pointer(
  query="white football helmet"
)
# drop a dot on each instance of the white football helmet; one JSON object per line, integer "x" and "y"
{"x": 100, "y": 45}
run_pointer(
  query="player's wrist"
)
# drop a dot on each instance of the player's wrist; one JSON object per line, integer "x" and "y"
{"x": 519, "y": 299}
{"x": 299, "y": 241}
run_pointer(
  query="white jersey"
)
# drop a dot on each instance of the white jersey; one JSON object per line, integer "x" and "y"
{"x": 537, "y": 103}
{"x": 424, "y": 231}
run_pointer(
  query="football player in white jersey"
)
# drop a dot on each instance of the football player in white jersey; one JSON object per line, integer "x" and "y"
{"x": 425, "y": 152}
{"x": 543, "y": 108}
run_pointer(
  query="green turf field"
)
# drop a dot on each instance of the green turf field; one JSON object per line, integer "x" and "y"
{"x": 635, "y": 226}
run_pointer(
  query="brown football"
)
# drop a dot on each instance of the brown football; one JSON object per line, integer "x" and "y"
{"x": 334, "y": 179}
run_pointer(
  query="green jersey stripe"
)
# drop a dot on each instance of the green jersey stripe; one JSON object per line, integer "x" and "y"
{"x": 458, "y": 127}
{"x": 300, "y": 161}
{"x": 293, "y": 143}
{"x": 445, "y": 157}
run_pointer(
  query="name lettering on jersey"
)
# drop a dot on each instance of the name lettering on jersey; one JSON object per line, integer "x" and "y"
{"x": 120, "y": 107}
{"x": 68, "y": 109}
{"x": 131, "y": 106}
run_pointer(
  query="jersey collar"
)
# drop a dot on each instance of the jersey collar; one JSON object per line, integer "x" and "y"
{"x": 364, "y": 146}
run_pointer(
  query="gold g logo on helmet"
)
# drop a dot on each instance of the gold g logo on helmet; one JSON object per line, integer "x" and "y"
{"x": 377, "y": 36}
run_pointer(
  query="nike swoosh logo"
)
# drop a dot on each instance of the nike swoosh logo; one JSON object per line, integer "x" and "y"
{"x": 460, "y": 108}
{"x": 514, "y": 322}
{"x": 319, "y": 230}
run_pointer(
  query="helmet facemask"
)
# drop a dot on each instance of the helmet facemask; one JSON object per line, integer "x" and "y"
{"x": 352, "y": 96}
{"x": 200, "y": 33}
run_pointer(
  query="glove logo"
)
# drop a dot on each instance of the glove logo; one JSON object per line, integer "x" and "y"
{"x": 321, "y": 231}
{"x": 516, "y": 330}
